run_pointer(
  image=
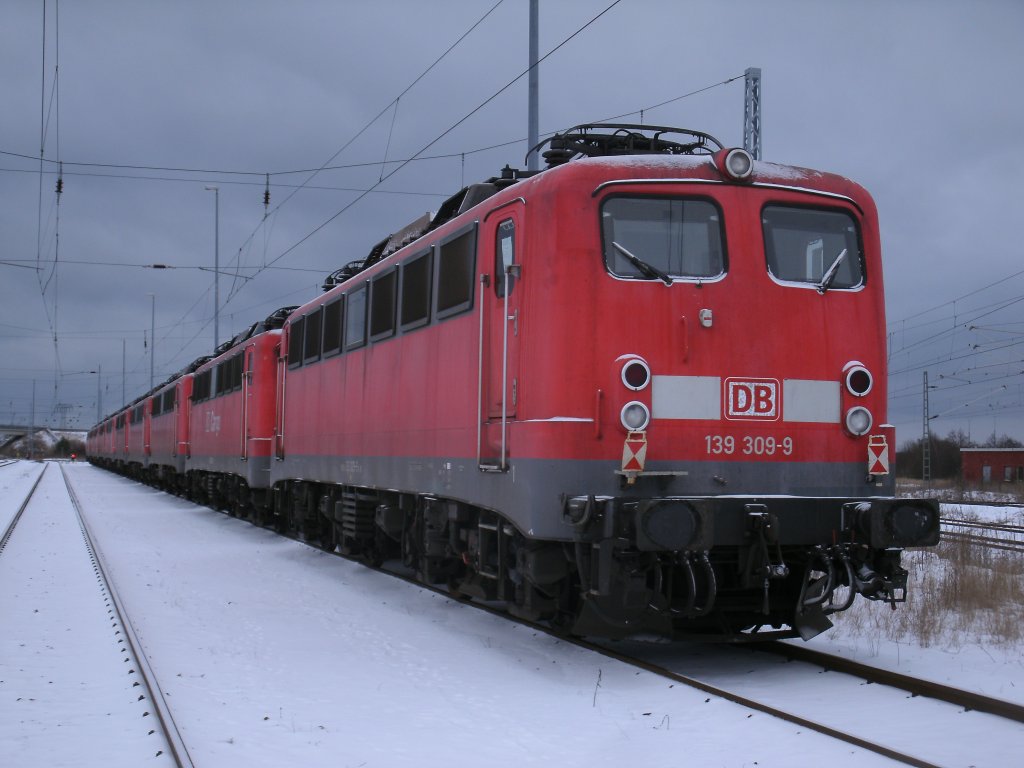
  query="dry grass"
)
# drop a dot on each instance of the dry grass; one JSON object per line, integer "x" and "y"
{"x": 959, "y": 594}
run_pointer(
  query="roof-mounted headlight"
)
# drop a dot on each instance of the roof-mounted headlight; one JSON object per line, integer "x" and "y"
{"x": 737, "y": 164}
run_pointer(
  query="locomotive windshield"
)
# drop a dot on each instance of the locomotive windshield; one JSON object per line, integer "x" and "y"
{"x": 818, "y": 247}
{"x": 652, "y": 238}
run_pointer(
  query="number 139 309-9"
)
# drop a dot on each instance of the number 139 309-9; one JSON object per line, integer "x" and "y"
{"x": 748, "y": 445}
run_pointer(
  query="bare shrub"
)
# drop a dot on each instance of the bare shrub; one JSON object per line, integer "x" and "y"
{"x": 959, "y": 592}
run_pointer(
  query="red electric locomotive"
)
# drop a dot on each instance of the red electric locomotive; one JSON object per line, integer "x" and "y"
{"x": 169, "y": 430}
{"x": 642, "y": 390}
{"x": 137, "y": 446}
{"x": 231, "y": 423}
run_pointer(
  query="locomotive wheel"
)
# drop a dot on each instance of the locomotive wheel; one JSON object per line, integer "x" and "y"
{"x": 328, "y": 539}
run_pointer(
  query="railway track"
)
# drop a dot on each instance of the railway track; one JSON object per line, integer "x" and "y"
{"x": 970, "y": 701}
{"x": 853, "y": 703}
{"x": 862, "y": 733}
{"x": 17, "y": 515}
{"x": 953, "y": 714}
{"x": 47, "y": 535}
{"x": 999, "y": 536}
{"x": 175, "y": 745}
{"x": 1010, "y": 504}
{"x": 907, "y": 690}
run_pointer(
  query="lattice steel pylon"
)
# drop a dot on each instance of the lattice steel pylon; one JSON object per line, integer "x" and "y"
{"x": 926, "y": 439}
{"x": 752, "y": 112}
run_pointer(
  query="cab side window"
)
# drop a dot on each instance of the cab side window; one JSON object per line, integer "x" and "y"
{"x": 504, "y": 257}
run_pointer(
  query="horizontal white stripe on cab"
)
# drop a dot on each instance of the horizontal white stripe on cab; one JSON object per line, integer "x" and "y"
{"x": 700, "y": 397}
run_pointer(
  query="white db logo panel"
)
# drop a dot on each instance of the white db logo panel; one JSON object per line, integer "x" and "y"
{"x": 747, "y": 399}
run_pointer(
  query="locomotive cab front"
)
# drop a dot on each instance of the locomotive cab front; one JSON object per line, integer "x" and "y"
{"x": 721, "y": 321}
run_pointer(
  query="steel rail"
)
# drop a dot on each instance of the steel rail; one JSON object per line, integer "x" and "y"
{"x": 176, "y": 746}
{"x": 17, "y": 515}
{"x": 1017, "y": 504}
{"x": 969, "y": 700}
{"x": 758, "y": 706}
{"x": 989, "y": 542}
{"x": 659, "y": 670}
{"x": 1003, "y": 527}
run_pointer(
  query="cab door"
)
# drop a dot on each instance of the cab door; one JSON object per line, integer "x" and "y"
{"x": 501, "y": 247}
{"x": 281, "y": 360}
{"x": 247, "y": 371}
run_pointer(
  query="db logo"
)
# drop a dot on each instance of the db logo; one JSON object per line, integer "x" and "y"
{"x": 752, "y": 399}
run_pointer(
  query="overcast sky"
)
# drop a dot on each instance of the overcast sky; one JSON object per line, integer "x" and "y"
{"x": 914, "y": 100}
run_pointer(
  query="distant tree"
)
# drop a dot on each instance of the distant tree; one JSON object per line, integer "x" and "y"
{"x": 64, "y": 447}
{"x": 945, "y": 456}
{"x": 961, "y": 439}
{"x": 1003, "y": 441}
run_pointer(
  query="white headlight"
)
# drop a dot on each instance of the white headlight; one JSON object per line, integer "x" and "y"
{"x": 739, "y": 163}
{"x": 635, "y": 416}
{"x": 858, "y": 420}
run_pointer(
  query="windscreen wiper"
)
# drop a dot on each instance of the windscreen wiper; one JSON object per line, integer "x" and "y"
{"x": 830, "y": 273}
{"x": 643, "y": 266}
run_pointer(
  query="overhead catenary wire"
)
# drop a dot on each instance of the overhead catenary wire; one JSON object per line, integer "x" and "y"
{"x": 375, "y": 189}
{"x": 261, "y": 225}
{"x": 327, "y": 167}
{"x": 448, "y": 130}
{"x": 264, "y": 178}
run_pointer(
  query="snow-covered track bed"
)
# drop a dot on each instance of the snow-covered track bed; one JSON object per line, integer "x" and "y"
{"x": 169, "y": 730}
{"x": 637, "y": 657}
{"x": 862, "y": 706}
{"x": 7, "y": 462}
{"x": 915, "y": 686}
{"x": 11, "y": 520}
{"x": 15, "y": 491}
{"x": 71, "y": 665}
{"x": 273, "y": 652}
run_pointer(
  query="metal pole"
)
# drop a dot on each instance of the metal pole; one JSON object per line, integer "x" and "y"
{"x": 752, "y": 112}
{"x": 216, "y": 265}
{"x": 152, "y": 336}
{"x": 124, "y": 388}
{"x": 99, "y": 394}
{"x": 926, "y": 440}
{"x": 32, "y": 424}
{"x": 533, "y": 130}
{"x": 216, "y": 268}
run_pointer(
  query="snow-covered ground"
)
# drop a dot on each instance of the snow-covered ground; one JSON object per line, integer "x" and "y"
{"x": 68, "y": 694}
{"x": 272, "y": 653}
{"x": 964, "y": 656}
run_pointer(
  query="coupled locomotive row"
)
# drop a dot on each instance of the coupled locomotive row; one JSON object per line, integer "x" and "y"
{"x": 642, "y": 390}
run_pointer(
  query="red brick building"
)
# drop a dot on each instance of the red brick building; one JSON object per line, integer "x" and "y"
{"x": 993, "y": 465}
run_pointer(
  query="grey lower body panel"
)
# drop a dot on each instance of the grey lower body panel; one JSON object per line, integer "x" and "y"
{"x": 255, "y": 470}
{"x": 532, "y": 492}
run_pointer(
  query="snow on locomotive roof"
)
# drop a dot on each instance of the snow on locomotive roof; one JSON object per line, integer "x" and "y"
{"x": 762, "y": 169}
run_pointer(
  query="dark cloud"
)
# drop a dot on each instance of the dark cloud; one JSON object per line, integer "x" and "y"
{"x": 909, "y": 99}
